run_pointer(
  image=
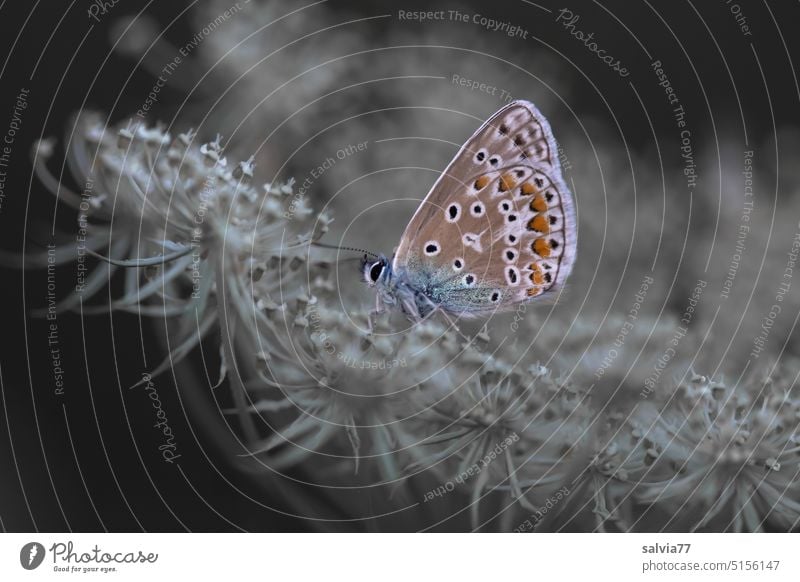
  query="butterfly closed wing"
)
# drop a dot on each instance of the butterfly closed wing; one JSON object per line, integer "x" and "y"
{"x": 496, "y": 230}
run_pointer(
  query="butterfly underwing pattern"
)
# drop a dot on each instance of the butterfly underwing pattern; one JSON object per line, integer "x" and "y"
{"x": 497, "y": 229}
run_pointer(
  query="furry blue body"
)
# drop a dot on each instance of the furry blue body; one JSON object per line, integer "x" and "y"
{"x": 417, "y": 290}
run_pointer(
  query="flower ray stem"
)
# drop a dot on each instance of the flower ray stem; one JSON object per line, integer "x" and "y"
{"x": 137, "y": 263}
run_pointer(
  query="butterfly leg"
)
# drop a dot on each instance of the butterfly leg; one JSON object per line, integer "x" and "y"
{"x": 455, "y": 327}
{"x": 436, "y": 308}
{"x": 375, "y": 313}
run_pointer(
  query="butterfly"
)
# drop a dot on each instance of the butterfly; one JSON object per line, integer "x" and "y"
{"x": 496, "y": 230}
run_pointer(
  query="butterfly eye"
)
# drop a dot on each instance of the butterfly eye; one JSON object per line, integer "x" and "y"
{"x": 375, "y": 271}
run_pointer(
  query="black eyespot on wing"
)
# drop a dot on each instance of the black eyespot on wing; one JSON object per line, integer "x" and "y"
{"x": 512, "y": 275}
{"x": 495, "y": 297}
{"x": 494, "y": 161}
{"x": 431, "y": 248}
{"x": 510, "y": 255}
{"x": 452, "y": 211}
{"x": 480, "y": 156}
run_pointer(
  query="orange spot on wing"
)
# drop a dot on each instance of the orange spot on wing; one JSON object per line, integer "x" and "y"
{"x": 540, "y": 223}
{"x": 538, "y": 204}
{"x": 541, "y": 247}
{"x": 481, "y": 182}
{"x": 527, "y": 189}
{"x": 507, "y": 182}
{"x": 534, "y": 291}
{"x": 536, "y": 275}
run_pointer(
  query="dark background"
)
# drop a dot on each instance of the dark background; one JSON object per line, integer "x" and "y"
{"x": 74, "y": 462}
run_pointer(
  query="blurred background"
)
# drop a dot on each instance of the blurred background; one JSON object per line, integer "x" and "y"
{"x": 662, "y": 162}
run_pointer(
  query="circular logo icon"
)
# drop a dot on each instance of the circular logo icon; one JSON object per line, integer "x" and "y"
{"x": 31, "y": 555}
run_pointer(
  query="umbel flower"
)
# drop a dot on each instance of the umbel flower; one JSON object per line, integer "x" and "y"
{"x": 459, "y": 431}
{"x": 732, "y": 456}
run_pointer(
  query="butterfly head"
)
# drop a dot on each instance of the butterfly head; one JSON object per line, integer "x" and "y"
{"x": 375, "y": 271}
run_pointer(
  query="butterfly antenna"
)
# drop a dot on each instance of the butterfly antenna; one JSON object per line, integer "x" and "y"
{"x": 338, "y": 248}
